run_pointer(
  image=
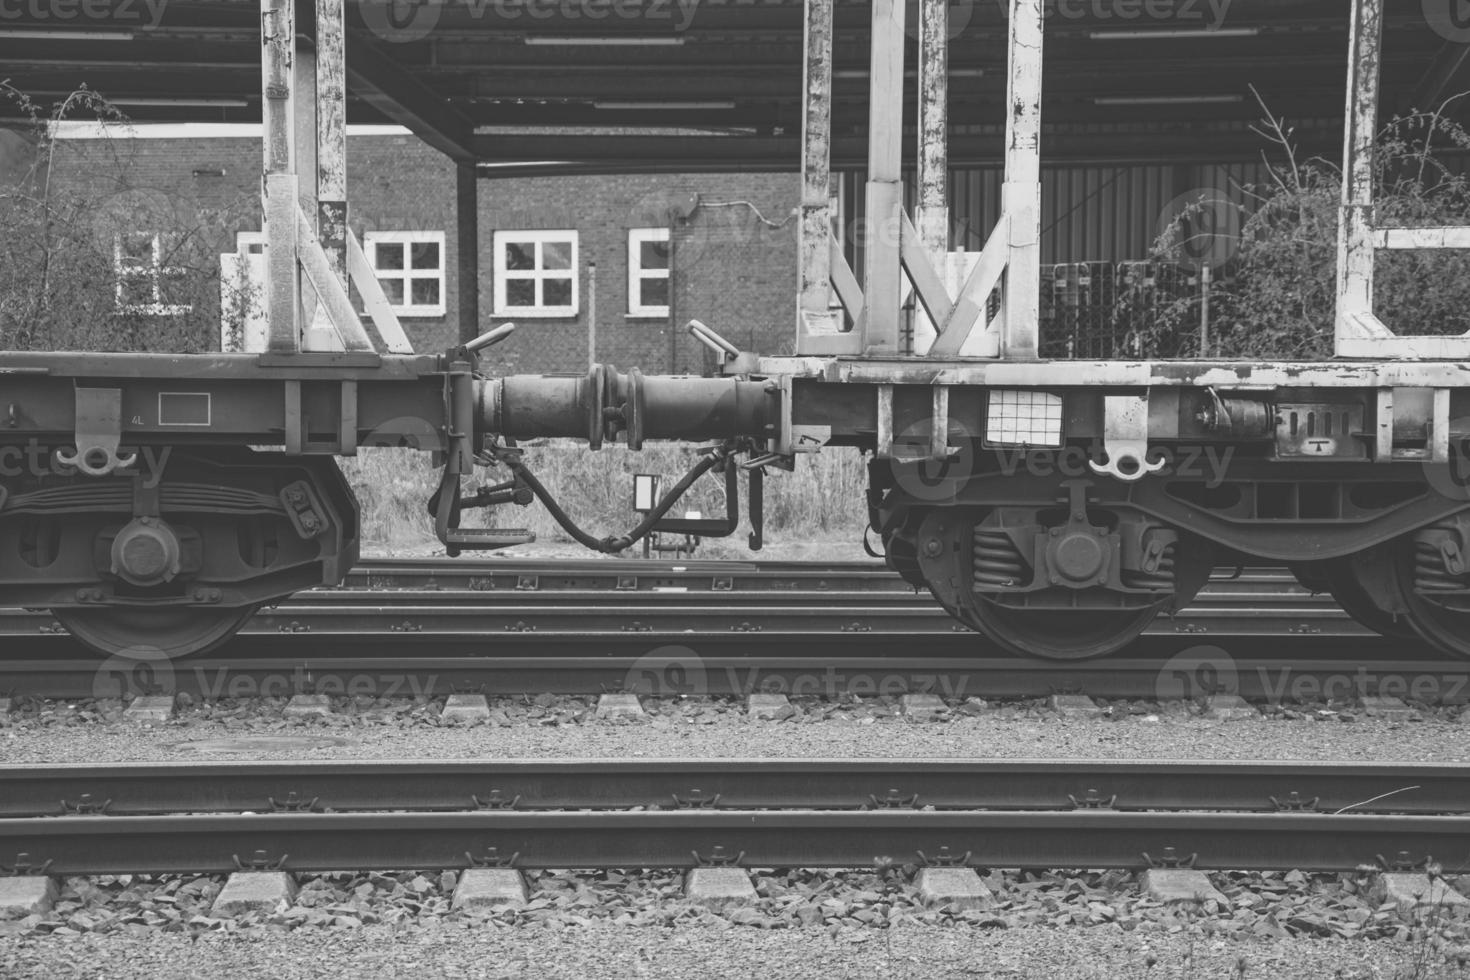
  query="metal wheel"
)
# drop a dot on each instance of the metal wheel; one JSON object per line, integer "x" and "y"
{"x": 1345, "y": 582}
{"x": 1060, "y": 634}
{"x": 1442, "y": 627}
{"x": 173, "y": 631}
{"x": 1310, "y": 575}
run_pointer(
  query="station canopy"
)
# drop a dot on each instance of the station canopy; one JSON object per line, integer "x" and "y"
{"x": 717, "y": 85}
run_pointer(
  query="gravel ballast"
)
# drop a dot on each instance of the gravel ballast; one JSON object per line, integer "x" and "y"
{"x": 714, "y": 949}
{"x": 548, "y": 726}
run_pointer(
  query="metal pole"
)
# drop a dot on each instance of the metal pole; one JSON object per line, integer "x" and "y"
{"x": 331, "y": 134}
{"x": 933, "y": 211}
{"x": 467, "y": 249}
{"x": 882, "y": 275}
{"x": 591, "y": 315}
{"x": 818, "y": 331}
{"x": 1205, "y": 278}
{"x": 1355, "y": 247}
{"x": 1021, "y": 193}
{"x": 278, "y": 181}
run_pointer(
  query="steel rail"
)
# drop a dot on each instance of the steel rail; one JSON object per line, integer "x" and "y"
{"x": 448, "y": 597}
{"x": 560, "y": 784}
{"x": 742, "y": 665}
{"x": 677, "y": 839}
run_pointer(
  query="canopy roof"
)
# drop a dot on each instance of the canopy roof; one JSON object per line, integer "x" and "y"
{"x": 677, "y": 85}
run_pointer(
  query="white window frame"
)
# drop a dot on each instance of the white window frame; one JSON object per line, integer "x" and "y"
{"x": 636, "y": 273}
{"x": 152, "y": 273}
{"x": 370, "y": 242}
{"x": 501, "y": 274}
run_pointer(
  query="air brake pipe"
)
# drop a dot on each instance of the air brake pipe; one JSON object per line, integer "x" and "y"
{"x": 605, "y": 402}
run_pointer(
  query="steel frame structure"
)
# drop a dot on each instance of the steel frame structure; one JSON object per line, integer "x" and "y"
{"x": 322, "y": 389}
{"x": 1427, "y": 371}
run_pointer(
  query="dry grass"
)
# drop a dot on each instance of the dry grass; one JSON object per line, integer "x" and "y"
{"x": 822, "y": 501}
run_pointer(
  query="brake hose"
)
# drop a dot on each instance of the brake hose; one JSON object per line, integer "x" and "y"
{"x": 612, "y": 545}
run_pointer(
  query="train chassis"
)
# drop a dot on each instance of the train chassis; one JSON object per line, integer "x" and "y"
{"x": 1056, "y": 520}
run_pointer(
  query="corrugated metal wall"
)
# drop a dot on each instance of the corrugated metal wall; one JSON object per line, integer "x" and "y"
{"x": 1089, "y": 214}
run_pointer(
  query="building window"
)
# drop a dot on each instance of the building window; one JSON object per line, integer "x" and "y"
{"x": 536, "y": 273}
{"x": 648, "y": 272}
{"x": 410, "y": 267}
{"x": 145, "y": 281}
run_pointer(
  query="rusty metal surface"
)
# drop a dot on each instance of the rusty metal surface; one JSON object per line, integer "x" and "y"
{"x": 679, "y": 839}
{"x": 729, "y": 784}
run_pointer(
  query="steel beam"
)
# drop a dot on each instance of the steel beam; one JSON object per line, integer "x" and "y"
{"x": 882, "y": 287}
{"x": 932, "y": 215}
{"x": 388, "y": 87}
{"x": 1021, "y": 192}
{"x": 331, "y": 135}
{"x": 467, "y": 249}
{"x": 1080, "y": 839}
{"x": 279, "y": 189}
{"x": 818, "y": 330}
{"x": 731, "y": 784}
{"x": 1355, "y": 248}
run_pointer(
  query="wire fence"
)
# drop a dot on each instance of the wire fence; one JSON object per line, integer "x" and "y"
{"x": 1107, "y": 310}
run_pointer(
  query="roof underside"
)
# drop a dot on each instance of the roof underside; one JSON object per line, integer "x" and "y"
{"x": 680, "y": 85}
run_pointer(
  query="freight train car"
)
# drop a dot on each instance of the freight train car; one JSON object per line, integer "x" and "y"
{"x": 1054, "y": 506}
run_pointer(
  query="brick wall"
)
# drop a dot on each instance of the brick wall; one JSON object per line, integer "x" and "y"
{"x": 734, "y": 238}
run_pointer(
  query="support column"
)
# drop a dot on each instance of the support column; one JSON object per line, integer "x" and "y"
{"x": 818, "y": 330}
{"x": 932, "y": 219}
{"x": 467, "y": 249}
{"x": 882, "y": 275}
{"x": 318, "y": 334}
{"x": 278, "y": 180}
{"x": 1021, "y": 192}
{"x": 1355, "y": 246}
{"x": 331, "y": 135}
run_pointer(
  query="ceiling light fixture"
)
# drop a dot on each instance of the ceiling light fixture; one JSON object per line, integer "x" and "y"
{"x": 1179, "y": 32}
{"x": 617, "y": 40}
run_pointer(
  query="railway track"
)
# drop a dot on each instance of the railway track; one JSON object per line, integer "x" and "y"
{"x": 464, "y": 602}
{"x": 424, "y": 627}
{"x": 769, "y": 814}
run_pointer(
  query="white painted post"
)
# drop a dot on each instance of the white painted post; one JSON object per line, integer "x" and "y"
{"x": 278, "y": 182}
{"x": 331, "y": 134}
{"x": 318, "y": 333}
{"x": 1355, "y": 245}
{"x": 882, "y": 276}
{"x": 818, "y": 330}
{"x": 1021, "y": 192}
{"x": 932, "y": 218}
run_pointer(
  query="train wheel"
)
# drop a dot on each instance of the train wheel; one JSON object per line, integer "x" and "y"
{"x": 173, "y": 631}
{"x": 1053, "y": 634}
{"x": 1442, "y": 622}
{"x": 1310, "y": 575}
{"x": 1351, "y": 581}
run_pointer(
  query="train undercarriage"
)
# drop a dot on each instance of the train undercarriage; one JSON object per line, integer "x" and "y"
{"x": 1055, "y": 522}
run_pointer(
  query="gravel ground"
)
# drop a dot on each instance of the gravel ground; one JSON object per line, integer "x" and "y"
{"x": 804, "y": 923}
{"x": 714, "y": 949}
{"x": 718, "y": 728}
